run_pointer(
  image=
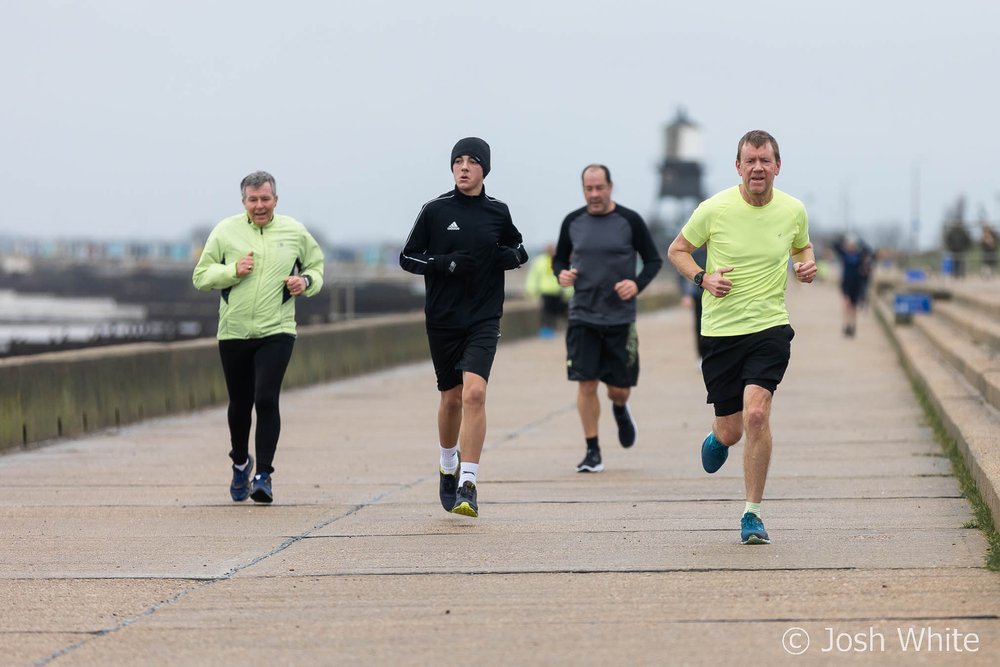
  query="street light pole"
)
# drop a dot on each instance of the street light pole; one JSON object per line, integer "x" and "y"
{"x": 915, "y": 207}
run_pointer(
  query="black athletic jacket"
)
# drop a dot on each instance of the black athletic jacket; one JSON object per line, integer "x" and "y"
{"x": 457, "y": 222}
{"x": 604, "y": 249}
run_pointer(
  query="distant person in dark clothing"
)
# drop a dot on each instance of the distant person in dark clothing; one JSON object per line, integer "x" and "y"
{"x": 461, "y": 243}
{"x": 988, "y": 247}
{"x": 957, "y": 242}
{"x": 856, "y": 264}
{"x": 597, "y": 253}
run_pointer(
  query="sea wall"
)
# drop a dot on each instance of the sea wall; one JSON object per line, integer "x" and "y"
{"x": 61, "y": 394}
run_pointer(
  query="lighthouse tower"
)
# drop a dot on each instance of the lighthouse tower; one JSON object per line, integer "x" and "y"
{"x": 681, "y": 170}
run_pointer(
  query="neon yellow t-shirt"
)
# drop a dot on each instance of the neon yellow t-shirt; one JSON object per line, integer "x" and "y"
{"x": 755, "y": 241}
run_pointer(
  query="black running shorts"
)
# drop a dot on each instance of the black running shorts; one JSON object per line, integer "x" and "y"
{"x": 732, "y": 362}
{"x": 457, "y": 350}
{"x": 609, "y": 353}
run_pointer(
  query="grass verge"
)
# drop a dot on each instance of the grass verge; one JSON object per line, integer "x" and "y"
{"x": 980, "y": 511}
{"x": 982, "y": 519}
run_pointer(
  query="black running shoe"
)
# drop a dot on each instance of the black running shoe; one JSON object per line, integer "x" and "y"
{"x": 591, "y": 462}
{"x": 260, "y": 488}
{"x": 465, "y": 501}
{"x": 239, "y": 488}
{"x": 448, "y": 486}
{"x": 627, "y": 429}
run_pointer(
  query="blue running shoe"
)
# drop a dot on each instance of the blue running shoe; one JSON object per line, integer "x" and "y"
{"x": 261, "y": 488}
{"x": 753, "y": 530}
{"x": 239, "y": 489}
{"x": 713, "y": 453}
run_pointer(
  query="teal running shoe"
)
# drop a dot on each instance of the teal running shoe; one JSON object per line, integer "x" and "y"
{"x": 713, "y": 453}
{"x": 753, "y": 530}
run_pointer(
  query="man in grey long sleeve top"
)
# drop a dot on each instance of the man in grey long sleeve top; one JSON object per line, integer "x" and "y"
{"x": 597, "y": 255}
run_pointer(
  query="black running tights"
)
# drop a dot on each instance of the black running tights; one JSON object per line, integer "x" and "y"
{"x": 254, "y": 371}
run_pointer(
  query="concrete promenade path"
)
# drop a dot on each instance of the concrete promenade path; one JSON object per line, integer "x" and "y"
{"x": 123, "y": 548}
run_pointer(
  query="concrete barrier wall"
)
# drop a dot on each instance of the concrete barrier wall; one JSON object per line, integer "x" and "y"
{"x": 63, "y": 394}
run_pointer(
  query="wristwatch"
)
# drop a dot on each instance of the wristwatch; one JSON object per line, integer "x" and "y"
{"x": 698, "y": 277}
{"x": 307, "y": 280}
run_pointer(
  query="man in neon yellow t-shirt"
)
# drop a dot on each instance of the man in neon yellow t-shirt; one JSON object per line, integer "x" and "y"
{"x": 751, "y": 229}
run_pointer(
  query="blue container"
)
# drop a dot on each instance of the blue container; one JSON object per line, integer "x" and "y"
{"x": 908, "y": 304}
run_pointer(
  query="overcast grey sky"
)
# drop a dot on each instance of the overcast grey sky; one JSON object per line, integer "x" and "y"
{"x": 137, "y": 119}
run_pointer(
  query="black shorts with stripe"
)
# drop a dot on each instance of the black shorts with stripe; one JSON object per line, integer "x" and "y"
{"x": 456, "y": 350}
{"x": 609, "y": 353}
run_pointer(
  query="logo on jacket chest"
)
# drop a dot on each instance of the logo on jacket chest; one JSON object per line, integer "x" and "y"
{"x": 453, "y": 227}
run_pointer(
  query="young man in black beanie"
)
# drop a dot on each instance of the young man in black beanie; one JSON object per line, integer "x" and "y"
{"x": 462, "y": 242}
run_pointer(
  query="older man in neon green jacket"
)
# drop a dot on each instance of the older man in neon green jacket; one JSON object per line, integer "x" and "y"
{"x": 261, "y": 262}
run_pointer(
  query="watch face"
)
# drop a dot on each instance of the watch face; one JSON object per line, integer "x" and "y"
{"x": 698, "y": 278}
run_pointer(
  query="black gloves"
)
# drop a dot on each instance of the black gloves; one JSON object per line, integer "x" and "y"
{"x": 454, "y": 263}
{"x": 463, "y": 262}
{"x": 506, "y": 259}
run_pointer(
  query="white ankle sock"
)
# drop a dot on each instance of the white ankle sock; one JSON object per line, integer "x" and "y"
{"x": 753, "y": 508}
{"x": 242, "y": 467}
{"x": 469, "y": 471}
{"x": 449, "y": 458}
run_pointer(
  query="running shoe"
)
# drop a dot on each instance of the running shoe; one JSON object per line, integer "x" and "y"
{"x": 753, "y": 530}
{"x": 627, "y": 429}
{"x": 448, "y": 485}
{"x": 261, "y": 488}
{"x": 713, "y": 453}
{"x": 465, "y": 501}
{"x": 591, "y": 462}
{"x": 239, "y": 488}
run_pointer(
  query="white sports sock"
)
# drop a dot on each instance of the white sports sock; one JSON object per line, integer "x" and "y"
{"x": 242, "y": 467}
{"x": 449, "y": 459}
{"x": 753, "y": 508}
{"x": 469, "y": 471}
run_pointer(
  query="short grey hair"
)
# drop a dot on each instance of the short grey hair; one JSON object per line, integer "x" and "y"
{"x": 758, "y": 138}
{"x": 255, "y": 180}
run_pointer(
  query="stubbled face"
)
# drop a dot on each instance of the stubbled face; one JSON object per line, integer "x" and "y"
{"x": 597, "y": 192}
{"x": 757, "y": 168}
{"x": 260, "y": 203}
{"x": 468, "y": 174}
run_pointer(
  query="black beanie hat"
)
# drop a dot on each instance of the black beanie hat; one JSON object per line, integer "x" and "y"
{"x": 476, "y": 148}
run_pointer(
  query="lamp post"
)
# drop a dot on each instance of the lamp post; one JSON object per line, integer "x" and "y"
{"x": 915, "y": 207}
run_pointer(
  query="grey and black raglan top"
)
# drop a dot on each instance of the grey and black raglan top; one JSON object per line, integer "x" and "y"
{"x": 604, "y": 250}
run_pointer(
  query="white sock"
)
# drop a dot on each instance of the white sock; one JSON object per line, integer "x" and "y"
{"x": 753, "y": 508}
{"x": 469, "y": 471}
{"x": 449, "y": 459}
{"x": 242, "y": 467}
